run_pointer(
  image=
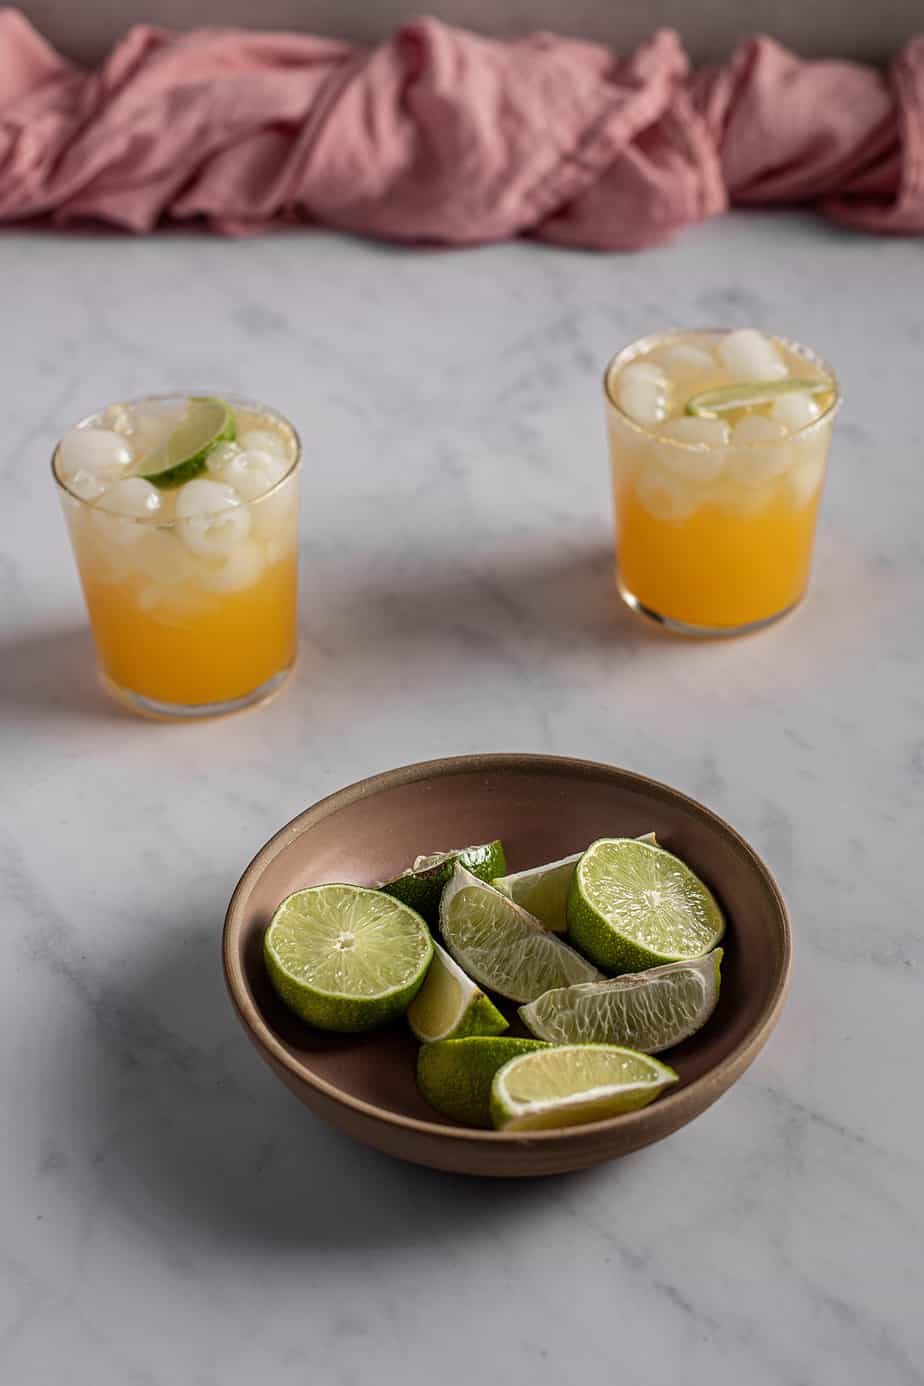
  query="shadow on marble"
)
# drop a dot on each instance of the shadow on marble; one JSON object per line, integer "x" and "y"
{"x": 52, "y": 675}
{"x": 559, "y": 599}
{"x": 189, "y": 1131}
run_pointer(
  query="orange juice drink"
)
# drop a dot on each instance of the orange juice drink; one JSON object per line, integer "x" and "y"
{"x": 183, "y": 515}
{"x": 718, "y": 443}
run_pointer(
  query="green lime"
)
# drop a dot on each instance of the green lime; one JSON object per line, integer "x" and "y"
{"x": 746, "y": 394}
{"x": 450, "y": 1006}
{"x": 650, "y": 1011}
{"x": 206, "y": 422}
{"x": 543, "y": 890}
{"x": 501, "y": 945}
{"x": 632, "y": 906}
{"x": 572, "y": 1084}
{"x": 455, "y": 1076}
{"x": 421, "y": 885}
{"x": 346, "y": 958}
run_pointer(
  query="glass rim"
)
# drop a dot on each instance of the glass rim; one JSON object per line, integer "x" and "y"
{"x": 641, "y": 345}
{"x": 155, "y": 521}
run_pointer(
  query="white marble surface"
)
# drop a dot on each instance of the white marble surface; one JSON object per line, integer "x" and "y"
{"x": 170, "y": 1215}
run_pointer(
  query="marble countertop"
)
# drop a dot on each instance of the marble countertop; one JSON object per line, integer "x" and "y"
{"x": 170, "y": 1215}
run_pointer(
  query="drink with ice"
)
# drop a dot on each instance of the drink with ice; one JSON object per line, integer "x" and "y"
{"x": 718, "y": 443}
{"x": 183, "y": 514}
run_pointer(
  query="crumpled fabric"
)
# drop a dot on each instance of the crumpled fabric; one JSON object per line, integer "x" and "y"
{"x": 440, "y": 136}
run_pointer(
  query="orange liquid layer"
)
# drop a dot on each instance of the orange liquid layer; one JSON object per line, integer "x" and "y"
{"x": 224, "y": 648}
{"x": 713, "y": 568}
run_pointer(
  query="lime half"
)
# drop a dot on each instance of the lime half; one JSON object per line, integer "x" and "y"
{"x": 206, "y": 422}
{"x": 569, "y": 1085}
{"x": 632, "y": 906}
{"x": 421, "y": 885}
{"x": 650, "y": 1011}
{"x": 450, "y": 1006}
{"x": 455, "y": 1076}
{"x": 503, "y": 947}
{"x": 543, "y": 890}
{"x": 749, "y": 393}
{"x": 346, "y": 958}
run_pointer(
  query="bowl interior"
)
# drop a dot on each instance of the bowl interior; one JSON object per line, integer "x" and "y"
{"x": 542, "y": 809}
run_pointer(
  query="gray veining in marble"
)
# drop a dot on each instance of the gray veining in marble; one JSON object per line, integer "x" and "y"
{"x": 170, "y": 1215}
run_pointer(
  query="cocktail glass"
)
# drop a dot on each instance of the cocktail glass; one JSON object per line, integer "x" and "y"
{"x": 718, "y": 441}
{"x": 190, "y": 583}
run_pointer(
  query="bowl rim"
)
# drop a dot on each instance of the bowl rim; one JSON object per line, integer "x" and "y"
{"x": 719, "y": 1077}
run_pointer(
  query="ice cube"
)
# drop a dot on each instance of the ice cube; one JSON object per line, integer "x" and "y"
{"x": 133, "y": 496}
{"x": 92, "y": 452}
{"x": 794, "y": 411}
{"x": 254, "y": 472}
{"x": 264, "y": 440}
{"x": 220, "y": 459}
{"x": 701, "y": 457}
{"x": 118, "y": 418}
{"x": 240, "y": 570}
{"x": 123, "y": 504}
{"x": 751, "y": 464}
{"x": 804, "y": 480}
{"x": 748, "y": 355}
{"x": 667, "y": 495}
{"x": 86, "y": 485}
{"x": 684, "y": 361}
{"x": 642, "y": 392}
{"x": 211, "y": 521}
{"x": 160, "y": 556}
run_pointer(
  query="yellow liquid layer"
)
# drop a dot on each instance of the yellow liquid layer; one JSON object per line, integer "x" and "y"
{"x": 219, "y": 648}
{"x": 713, "y": 568}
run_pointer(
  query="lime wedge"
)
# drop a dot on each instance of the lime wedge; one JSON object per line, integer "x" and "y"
{"x": 543, "y": 890}
{"x": 748, "y": 393}
{"x": 503, "y": 947}
{"x": 455, "y": 1076}
{"x": 650, "y": 1011}
{"x": 346, "y": 958}
{"x": 633, "y": 906}
{"x": 205, "y": 423}
{"x": 572, "y": 1084}
{"x": 450, "y": 1006}
{"x": 421, "y": 885}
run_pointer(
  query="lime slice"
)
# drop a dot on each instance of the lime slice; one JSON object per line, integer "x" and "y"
{"x": 650, "y": 1010}
{"x": 346, "y": 958}
{"x": 543, "y": 890}
{"x": 572, "y": 1084}
{"x": 450, "y": 1006}
{"x": 503, "y": 947}
{"x": 632, "y": 906}
{"x": 205, "y": 423}
{"x": 746, "y": 394}
{"x": 421, "y": 885}
{"x": 455, "y": 1076}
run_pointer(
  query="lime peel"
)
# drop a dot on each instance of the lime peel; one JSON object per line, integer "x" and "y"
{"x": 206, "y": 422}
{"x": 710, "y": 404}
{"x": 455, "y": 1075}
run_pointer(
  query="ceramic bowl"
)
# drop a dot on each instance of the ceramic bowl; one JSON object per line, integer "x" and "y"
{"x": 543, "y": 808}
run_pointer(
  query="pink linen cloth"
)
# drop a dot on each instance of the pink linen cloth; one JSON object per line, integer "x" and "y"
{"x": 438, "y": 135}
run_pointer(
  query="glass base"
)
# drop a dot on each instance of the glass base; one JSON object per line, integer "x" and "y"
{"x": 190, "y": 712}
{"x": 699, "y": 632}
